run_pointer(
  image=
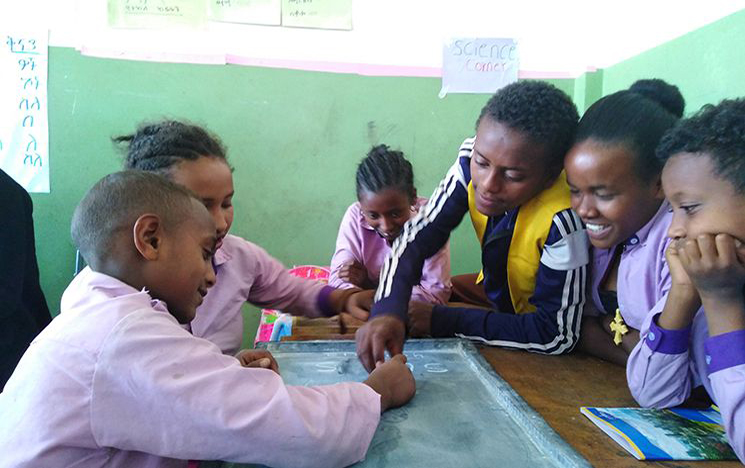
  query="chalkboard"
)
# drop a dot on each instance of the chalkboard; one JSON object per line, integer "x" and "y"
{"x": 463, "y": 413}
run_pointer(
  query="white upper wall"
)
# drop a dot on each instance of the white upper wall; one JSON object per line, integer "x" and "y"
{"x": 556, "y": 38}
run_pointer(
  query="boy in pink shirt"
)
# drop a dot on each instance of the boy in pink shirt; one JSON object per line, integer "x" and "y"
{"x": 115, "y": 381}
{"x": 699, "y": 334}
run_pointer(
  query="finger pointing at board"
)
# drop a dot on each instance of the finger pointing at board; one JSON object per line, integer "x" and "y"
{"x": 386, "y": 332}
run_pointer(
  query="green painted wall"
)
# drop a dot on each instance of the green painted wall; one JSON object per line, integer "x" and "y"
{"x": 294, "y": 138}
{"x": 588, "y": 88}
{"x": 707, "y": 64}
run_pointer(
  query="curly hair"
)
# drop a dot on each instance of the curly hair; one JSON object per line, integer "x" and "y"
{"x": 634, "y": 121}
{"x": 541, "y": 111}
{"x": 714, "y": 131}
{"x": 385, "y": 168}
{"x": 663, "y": 93}
{"x": 158, "y": 146}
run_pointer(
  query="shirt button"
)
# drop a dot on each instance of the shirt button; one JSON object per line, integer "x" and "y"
{"x": 708, "y": 359}
{"x": 651, "y": 336}
{"x": 634, "y": 240}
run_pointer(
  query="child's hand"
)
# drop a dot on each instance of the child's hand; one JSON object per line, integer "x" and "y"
{"x": 358, "y": 305}
{"x": 393, "y": 381}
{"x": 678, "y": 274}
{"x": 420, "y": 319}
{"x": 383, "y": 333}
{"x": 715, "y": 265}
{"x": 354, "y": 272}
{"x": 257, "y": 358}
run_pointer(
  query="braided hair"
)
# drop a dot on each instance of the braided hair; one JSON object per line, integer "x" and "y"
{"x": 158, "y": 146}
{"x": 385, "y": 168}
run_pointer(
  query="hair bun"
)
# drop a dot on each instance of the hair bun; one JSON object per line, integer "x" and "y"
{"x": 663, "y": 93}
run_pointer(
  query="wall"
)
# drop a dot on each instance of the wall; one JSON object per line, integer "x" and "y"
{"x": 707, "y": 64}
{"x": 294, "y": 139}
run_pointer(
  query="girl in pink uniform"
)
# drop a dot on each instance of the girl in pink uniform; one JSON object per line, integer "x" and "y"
{"x": 189, "y": 155}
{"x": 387, "y": 199}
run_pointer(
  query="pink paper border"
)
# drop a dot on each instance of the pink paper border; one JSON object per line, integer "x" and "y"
{"x": 363, "y": 69}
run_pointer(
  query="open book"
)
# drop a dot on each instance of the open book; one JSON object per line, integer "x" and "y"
{"x": 665, "y": 434}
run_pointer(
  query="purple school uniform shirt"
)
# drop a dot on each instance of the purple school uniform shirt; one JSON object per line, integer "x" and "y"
{"x": 115, "y": 381}
{"x": 666, "y": 364}
{"x": 643, "y": 275}
{"x": 246, "y": 273}
{"x": 357, "y": 241}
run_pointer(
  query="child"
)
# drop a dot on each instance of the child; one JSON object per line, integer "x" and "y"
{"x": 386, "y": 200}
{"x": 704, "y": 179}
{"x": 23, "y": 309}
{"x": 190, "y": 156}
{"x": 614, "y": 181}
{"x": 534, "y": 249}
{"x": 115, "y": 381}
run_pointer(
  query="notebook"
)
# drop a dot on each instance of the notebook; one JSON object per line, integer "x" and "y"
{"x": 665, "y": 434}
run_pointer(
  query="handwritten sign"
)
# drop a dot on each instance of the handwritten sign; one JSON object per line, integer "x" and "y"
{"x": 478, "y": 65}
{"x": 320, "y": 14}
{"x": 24, "y": 129}
{"x": 267, "y": 12}
{"x": 157, "y": 14}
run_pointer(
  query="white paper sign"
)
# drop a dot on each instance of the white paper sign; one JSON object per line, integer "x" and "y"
{"x": 246, "y": 11}
{"x": 24, "y": 130}
{"x": 471, "y": 65}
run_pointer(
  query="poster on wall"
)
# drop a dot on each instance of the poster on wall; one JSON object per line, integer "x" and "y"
{"x": 319, "y": 14}
{"x": 24, "y": 129}
{"x": 478, "y": 65}
{"x": 267, "y": 12}
{"x": 157, "y": 14}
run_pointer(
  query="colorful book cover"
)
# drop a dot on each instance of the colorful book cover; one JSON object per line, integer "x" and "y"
{"x": 665, "y": 434}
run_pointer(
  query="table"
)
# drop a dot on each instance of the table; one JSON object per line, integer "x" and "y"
{"x": 555, "y": 386}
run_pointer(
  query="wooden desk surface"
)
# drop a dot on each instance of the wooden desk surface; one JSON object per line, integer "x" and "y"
{"x": 555, "y": 386}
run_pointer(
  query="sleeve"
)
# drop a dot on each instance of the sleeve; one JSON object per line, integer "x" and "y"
{"x": 421, "y": 238}
{"x": 726, "y": 357}
{"x": 274, "y": 287}
{"x": 559, "y": 298}
{"x": 348, "y": 247}
{"x": 658, "y": 370}
{"x": 15, "y": 209}
{"x": 157, "y": 389}
{"x": 435, "y": 286}
{"x": 32, "y": 292}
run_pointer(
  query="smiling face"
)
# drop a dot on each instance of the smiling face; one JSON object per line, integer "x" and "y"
{"x": 211, "y": 180}
{"x": 386, "y": 211}
{"x": 702, "y": 202}
{"x": 507, "y": 169}
{"x": 185, "y": 271}
{"x": 607, "y": 193}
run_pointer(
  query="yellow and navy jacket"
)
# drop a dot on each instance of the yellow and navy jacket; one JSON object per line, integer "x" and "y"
{"x": 534, "y": 266}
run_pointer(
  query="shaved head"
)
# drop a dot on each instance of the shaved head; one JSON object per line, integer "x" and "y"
{"x": 113, "y": 205}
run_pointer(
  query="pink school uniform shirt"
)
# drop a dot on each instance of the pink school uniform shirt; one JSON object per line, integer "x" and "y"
{"x": 643, "y": 275}
{"x": 114, "y": 381}
{"x": 247, "y": 273}
{"x": 357, "y": 241}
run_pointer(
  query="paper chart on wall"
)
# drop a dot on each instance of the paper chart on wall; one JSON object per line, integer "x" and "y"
{"x": 24, "y": 128}
{"x": 478, "y": 65}
{"x": 157, "y": 14}
{"x": 268, "y": 12}
{"x": 320, "y": 14}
